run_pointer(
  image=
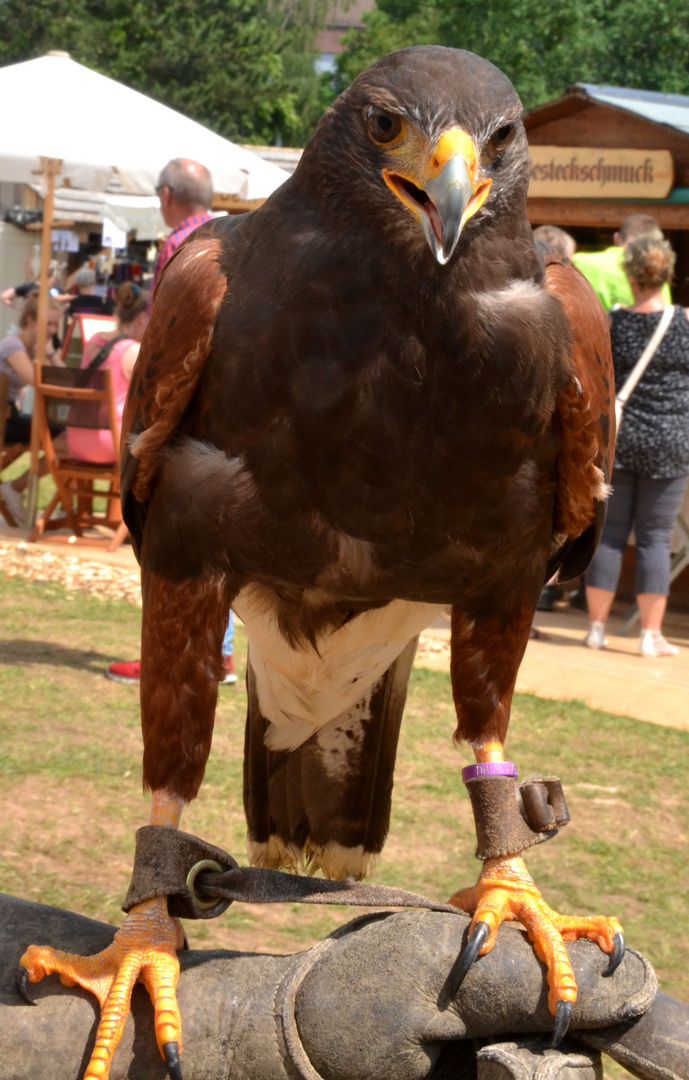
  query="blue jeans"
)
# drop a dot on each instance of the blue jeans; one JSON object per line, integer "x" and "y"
{"x": 650, "y": 507}
{"x": 229, "y": 637}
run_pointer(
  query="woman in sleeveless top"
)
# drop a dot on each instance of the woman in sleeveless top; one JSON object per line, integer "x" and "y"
{"x": 17, "y": 354}
{"x": 119, "y": 349}
{"x": 652, "y": 451}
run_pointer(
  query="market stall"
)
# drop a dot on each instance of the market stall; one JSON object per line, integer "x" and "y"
{"x": 101, "y": 129}
{"x": 599, "y": 153}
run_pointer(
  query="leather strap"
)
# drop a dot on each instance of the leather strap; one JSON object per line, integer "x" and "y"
{"x": 201, "y": 880}
{"x": 165, "y": 858}
{"x": 509, "y": 819}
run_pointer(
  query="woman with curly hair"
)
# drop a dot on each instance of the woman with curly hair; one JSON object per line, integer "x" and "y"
{"x": 652, "y": 452}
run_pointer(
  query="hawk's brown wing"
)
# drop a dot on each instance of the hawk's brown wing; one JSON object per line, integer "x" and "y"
{"x": 175, "y": 347}
{"x": 585, "y": 415}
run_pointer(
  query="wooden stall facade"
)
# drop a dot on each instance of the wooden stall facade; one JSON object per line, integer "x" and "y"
{"x": 580, "y": 119}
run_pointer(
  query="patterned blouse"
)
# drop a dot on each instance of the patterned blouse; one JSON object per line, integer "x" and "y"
{"x": 654, "y": 435}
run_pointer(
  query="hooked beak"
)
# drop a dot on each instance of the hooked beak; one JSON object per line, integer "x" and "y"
{"x": 449, "y": 192}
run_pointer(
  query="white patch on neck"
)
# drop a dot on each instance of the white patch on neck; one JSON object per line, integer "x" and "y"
{"x": 517, "y": 292}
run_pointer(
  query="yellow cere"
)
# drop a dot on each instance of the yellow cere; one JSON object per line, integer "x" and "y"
{"x": 450, "y": 144}
{"x": 412, "y": 159}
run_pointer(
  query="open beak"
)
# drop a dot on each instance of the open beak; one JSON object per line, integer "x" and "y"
{"x": 448, "y": 193}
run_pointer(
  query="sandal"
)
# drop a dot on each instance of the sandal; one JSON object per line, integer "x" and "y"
{"x": 652, "y": 643}
{"x": 596, "y": 639}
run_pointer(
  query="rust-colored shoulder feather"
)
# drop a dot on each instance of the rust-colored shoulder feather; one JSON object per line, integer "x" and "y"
{"x": 585, "y": 415}
{"x": 173, "y": 352}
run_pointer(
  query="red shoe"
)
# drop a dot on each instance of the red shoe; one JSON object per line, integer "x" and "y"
{"x": 128, "y": 671}
{"x": 230, "y": 676}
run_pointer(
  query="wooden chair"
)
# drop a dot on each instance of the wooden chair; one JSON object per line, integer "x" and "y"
{"x": 80, "y": 330}
{"x": 72, "y": 397}
{"x": 10, "y": 453}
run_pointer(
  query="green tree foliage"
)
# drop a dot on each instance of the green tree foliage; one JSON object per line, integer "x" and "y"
{"x": 543, "y": 46}
{"x": 242, "y": 67}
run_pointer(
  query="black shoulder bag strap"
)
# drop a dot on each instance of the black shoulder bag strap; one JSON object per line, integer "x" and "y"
{"x": 103, "y": 354}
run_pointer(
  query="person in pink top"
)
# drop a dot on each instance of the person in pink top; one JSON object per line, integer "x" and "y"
{"x": 119, "y": 349}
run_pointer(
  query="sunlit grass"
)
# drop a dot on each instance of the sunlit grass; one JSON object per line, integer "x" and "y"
{"x": 70, "y": 791}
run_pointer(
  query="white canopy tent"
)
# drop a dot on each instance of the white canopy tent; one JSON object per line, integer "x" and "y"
{"x": 100, "y": 128}
{"x": 131, "y": 213}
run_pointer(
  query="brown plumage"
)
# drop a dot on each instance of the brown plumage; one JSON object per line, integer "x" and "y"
{"x": 359, "y": 423}
{"x": 365, "y": 402}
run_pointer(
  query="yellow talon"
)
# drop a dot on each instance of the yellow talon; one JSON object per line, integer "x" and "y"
{"x": 505, "y": 892}
{"x": 145, "y": 948}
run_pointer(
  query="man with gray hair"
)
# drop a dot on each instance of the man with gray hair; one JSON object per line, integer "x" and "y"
{"x": 185, "y": 191}
{"x": 86, "y": 302}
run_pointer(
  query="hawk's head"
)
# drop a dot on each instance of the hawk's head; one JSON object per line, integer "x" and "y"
{"x": 431, "y": 135}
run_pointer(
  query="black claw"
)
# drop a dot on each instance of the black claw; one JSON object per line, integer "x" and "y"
{"x": 562, "y": 1019}
{"x": 21, "y": 983}
{"x": 171, "y": 1051}
{"x": 469, "y": 953}
{"x": 616, "y": 956}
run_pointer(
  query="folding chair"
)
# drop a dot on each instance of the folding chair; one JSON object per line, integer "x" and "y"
{"x": 78, "y": 398}
{"x": 80, "y": 330}
{"x": 10, "y": 453}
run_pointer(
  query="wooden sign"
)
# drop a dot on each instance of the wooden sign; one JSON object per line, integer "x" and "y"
{"x": 234, "y": 204}
{"x": 591, "y": 172}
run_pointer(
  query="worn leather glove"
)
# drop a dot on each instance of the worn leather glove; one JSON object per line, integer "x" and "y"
{"x": 371, "y": 1002}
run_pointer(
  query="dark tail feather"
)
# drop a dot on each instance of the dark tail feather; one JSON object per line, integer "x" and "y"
{"x": 327, "y": 803}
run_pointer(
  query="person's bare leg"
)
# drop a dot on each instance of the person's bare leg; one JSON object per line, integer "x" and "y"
{"x": 651, "y": 609}
{"x": 20, "y": 483}
{"x": 599, "y": 602}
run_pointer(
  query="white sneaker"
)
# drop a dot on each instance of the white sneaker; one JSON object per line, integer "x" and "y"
{"x": 13, "y": 501}
{"x": 652, "y": 643}
{"x": 596, "y": 639}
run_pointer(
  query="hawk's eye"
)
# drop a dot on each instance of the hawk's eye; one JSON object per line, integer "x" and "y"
{"x": 382, "y": 126}
{"x": 503, "y": 136}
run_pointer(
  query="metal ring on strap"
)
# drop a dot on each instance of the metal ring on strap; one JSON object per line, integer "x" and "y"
{"x": 204, "y": 864}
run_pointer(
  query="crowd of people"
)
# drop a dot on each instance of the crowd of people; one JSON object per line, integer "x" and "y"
{"x": 185, "y": 191}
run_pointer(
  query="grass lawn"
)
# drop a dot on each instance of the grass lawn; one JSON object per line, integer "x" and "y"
{"x": 70, "y": 791}
{"x": 46, "y": 485}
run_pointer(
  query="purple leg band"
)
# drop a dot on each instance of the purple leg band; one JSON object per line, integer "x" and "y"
{"x": 489, "y": 768}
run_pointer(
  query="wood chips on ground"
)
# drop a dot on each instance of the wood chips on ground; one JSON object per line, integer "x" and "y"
{"x": 114, "y": 583}
{"x": 98, "y": 579}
